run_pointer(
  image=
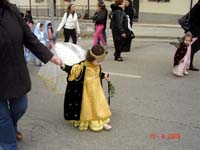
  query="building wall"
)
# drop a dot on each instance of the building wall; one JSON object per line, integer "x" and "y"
{"x": 172, "y": 7}
{"x": 163, "y": 12}
{"x": 149, "y": 12}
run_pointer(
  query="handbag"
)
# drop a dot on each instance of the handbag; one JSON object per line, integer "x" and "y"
{"x": 184, "y": 22}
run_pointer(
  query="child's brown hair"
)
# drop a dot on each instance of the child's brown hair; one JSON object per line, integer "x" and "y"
{"x": 96, "y": 53}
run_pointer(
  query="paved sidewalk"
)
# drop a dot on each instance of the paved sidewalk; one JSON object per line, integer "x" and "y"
{"x": 157, "y": 31}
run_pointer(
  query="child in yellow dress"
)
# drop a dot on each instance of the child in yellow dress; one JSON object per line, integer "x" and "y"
{"x": 85, "y": 104}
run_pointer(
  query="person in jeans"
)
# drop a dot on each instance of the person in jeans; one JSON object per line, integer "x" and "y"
{"x": 15, "y": 80}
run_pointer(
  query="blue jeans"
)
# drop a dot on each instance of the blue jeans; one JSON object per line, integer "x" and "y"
{"x": 11, "y": 110}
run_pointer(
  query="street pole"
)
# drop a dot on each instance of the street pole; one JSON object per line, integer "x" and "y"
{"x": 88, "y": 9}
{"x": 30, "y": 5}
{"x": 51, "y": 5}
{"x": 191, "y": 3}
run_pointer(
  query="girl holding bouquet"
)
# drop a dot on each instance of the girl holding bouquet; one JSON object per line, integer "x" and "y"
{"x": 85, "y": 105}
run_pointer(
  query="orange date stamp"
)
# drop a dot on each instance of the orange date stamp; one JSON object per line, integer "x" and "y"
{"x": 169, "y": 136}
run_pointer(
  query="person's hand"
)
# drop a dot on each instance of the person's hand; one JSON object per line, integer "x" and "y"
{"x": 107, "y": 76}
{"x": 56, "y": 60}
{"x": 123, "y": 35}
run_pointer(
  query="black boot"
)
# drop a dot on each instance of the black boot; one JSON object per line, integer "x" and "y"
{"x": 192, "y": 68}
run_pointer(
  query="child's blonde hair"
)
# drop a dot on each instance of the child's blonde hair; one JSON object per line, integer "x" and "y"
{"x": 188, "y": 34}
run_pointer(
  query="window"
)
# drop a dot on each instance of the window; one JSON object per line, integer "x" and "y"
{"x": 159, "y": 0}
{"x": 39, "y": 1}
{"x": 69, "y": 0}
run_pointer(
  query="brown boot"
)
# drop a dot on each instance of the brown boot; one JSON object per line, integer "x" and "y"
{"x": 19, "y": 136}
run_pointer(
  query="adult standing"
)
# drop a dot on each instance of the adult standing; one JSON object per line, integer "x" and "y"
{"x": 70, "y": 24}
{"x": 29, "y": 19}
{"x": 195, "y": 30}
{"x": 119, "y": 27}
{"x": 129, "y": 10}
{"x": 99, "y": 20}
{"x": 15, "y": 79}
{"x": 130, "y": 14}
{"x": 104, "y": 22}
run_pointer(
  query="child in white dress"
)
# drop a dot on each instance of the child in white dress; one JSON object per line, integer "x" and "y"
{"x": 182, "y": 56}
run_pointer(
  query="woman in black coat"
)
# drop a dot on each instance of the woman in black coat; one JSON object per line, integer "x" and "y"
{"x": 119, "y": 26}
{"x": 195, "y": 30}
{"x": 14, "y": 77}
{"x": 130, "y": 13}
{"x": 129, "y": 10}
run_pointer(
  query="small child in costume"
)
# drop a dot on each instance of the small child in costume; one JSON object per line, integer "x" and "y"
{"x": 85, "y": 104}
{"x": 182, "y": 56}
{"x": 39, "y": 33}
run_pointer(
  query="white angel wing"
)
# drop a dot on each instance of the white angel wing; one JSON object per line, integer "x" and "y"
{"x": 69, "y": 53}
{"x": 52, "y": 75}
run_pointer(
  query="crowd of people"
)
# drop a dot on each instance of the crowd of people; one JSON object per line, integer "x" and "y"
{"x": 89, "y": 108}
{"x": 25, "y": 40}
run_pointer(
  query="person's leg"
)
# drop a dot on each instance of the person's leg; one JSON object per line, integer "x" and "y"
{"x": 18, "y": 107}
{"x": 117, "y": 53}
{"x": 7, "y": 130}
{"x": 101, "y": 35}
{"x": 66, "y": 35}
{"x": 105, "y": 36}
{"x": 194, "y": 48}
{"x": 74, "y": 36}
{"x": 98, "y": 34}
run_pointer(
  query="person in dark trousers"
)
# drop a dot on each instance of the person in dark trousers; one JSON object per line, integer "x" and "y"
{"x": 70, "y": 24}
{"x": 119, "y": 27}
{"x": 195, "y": 30}
{"x": 15, "y": 80}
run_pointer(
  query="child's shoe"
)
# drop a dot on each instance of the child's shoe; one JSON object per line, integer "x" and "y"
{"x": 107, "y": 127}
{"x": 19, "y": 136}
{"x": 186, "y": 73}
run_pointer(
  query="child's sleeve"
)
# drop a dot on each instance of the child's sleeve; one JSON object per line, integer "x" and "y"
{"x": 66, "y": 68}
{"x": 75, "y": 72}
{"x": 102, "y": 75}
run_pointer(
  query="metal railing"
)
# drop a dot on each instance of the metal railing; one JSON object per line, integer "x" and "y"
{"x": 43, "y": 11}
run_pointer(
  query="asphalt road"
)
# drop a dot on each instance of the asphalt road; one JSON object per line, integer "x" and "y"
{"x": 152, "y": 109}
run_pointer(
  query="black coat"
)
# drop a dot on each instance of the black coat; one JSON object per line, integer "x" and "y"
{"x": 195, "y": 20}
{"x": 14, "y": 34}
{"x": 180, "y": 53}
{"x": 130, "y": 12}
{"x": 119, "y": 22}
